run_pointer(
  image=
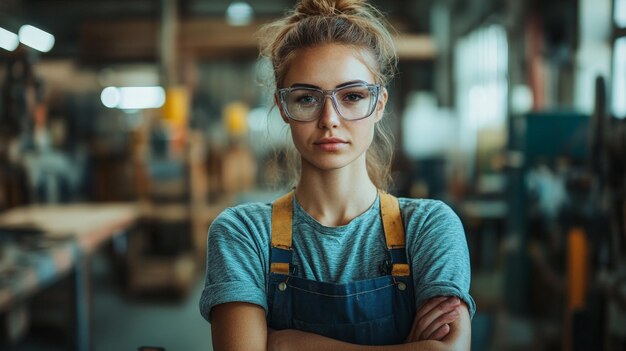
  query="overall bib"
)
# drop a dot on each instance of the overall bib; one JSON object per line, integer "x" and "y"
{"x": 377, "y": 311}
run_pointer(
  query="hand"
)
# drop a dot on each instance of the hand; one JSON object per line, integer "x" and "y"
{"x": 433, "y": 318}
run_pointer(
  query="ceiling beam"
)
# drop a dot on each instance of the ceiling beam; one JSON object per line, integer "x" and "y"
{"x": 106, "y": 41}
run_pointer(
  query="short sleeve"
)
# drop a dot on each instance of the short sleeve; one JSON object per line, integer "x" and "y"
{"x": 439, "y": 255}
{"x": 236, "y": 263}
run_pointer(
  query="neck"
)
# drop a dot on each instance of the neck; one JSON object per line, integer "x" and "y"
{"x": 335, "y": 197}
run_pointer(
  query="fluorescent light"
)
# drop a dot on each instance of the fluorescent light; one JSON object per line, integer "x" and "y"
{"x": 133, "y": 98}
{"x": 8, "y": 40}
{"x": 36, "y": 38}
{"x": 110, "y": 97}
{"x": 239, "y": 13}
{"x": 141, "y": 97}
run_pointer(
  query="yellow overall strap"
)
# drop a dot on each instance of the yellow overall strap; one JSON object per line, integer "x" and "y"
{"x": 282, "y": 211}
{"x": 394, "y": 233}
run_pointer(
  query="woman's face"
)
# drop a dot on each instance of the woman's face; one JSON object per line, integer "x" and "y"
{"x": 331, "y": 142}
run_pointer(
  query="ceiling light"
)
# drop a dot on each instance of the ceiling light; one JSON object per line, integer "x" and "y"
{"x": 8, "y": 40}
{"x": 36, "y": 38}
{"x": 239, "y": 13}
{"x": 110, "y": 97}
{"x": 133, "y": 98}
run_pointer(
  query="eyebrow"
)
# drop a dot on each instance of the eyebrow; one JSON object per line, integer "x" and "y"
{"x": 304, "y": 85}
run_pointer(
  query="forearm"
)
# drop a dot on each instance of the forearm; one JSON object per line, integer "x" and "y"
{"x": 294, "y": 340}
{"x": 458, "y": 339}
{"x": 238, "y": 326}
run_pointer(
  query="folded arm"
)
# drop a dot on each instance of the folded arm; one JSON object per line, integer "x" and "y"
{"x": 458, "y": 338}
{"x": 242, "y": 326}
{"x": 238, "y": 326}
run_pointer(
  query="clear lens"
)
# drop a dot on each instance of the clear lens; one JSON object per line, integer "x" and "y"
{"x": 351, "y": 102}
{"x": 304, "y": 104}
{"x": 354, "y": 102}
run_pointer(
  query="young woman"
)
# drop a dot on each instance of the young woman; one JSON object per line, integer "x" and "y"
{"x": 337, "y": 264}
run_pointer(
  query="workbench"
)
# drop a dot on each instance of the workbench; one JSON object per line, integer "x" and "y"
{"x": 44, "y": 243}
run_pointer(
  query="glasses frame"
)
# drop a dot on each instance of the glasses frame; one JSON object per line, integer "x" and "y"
{"x": 282, "y": 93}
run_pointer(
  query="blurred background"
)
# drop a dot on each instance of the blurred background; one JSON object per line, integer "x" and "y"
{"x": 126, "y": 126}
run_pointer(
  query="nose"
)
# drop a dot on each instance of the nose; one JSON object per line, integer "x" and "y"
{"x": 329, "y": 117}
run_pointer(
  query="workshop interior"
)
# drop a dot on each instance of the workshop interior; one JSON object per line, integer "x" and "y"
{"x": 127, "y": 126}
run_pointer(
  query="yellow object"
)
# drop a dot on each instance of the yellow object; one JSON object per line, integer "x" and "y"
{"x": 394, "y": 230}
{"x": 577, "y": 258}
{"x": 236, "y": 118}
{"x": 282, "y": 210}
{"x": 392, "y": 221}
{"x": 280, "y": 268}
{"x": 176, "y": 107}
{"x": 400, "y": 270}
{"x": 577, "y": 281}
{"x": 176, "y": 112}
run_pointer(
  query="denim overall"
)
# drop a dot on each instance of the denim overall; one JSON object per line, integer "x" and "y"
{"x": 377, "y": 311}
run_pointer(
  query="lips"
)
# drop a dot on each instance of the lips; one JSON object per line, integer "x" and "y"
{"x": 331, "y": 144}
{"x": 330, "y": 141}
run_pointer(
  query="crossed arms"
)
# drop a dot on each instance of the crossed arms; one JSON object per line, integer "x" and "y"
{"x": 442, "y": 323}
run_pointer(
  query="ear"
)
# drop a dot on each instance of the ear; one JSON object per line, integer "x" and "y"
{"x": 280, "y": 108}
{"x": 380, "y": 104}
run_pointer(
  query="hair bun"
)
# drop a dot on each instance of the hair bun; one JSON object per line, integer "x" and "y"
{"x": 329, "y": 7}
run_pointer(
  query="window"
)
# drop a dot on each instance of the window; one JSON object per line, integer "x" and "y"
{"x": 481, "y": 74}
{"x": 620, "y": 13}
{"x": 619, "y": 78}
{"x": 618, "y": 91}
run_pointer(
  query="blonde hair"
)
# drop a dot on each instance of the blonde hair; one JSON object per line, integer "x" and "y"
{"x": 348, "y": 22}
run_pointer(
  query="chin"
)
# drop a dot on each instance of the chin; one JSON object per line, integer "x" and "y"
{"x": 330, "y": 163}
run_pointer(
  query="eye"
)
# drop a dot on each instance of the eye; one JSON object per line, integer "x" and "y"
{"x": 304, "y": 98}
{"x": 353, "y": 97}
{"x": 307, "y": 100}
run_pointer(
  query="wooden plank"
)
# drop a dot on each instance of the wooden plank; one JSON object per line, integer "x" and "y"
{"x": 201, "y": 38}
{"x": 119, "y": 40}
{"x": 415, "y": 47}
{"x": 90, "y": 224}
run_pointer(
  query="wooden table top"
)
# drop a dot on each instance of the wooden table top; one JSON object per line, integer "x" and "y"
{"x": 89, "y": 223}
{"x": 30, "y": 261}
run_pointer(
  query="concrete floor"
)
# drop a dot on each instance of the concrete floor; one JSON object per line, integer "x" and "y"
{"x": 124, "y": 323}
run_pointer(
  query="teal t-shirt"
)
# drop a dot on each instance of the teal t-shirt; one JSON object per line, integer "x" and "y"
{"x": 239, "y": 245}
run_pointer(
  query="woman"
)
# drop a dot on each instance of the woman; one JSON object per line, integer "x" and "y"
{"x": 337, "y": 264}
